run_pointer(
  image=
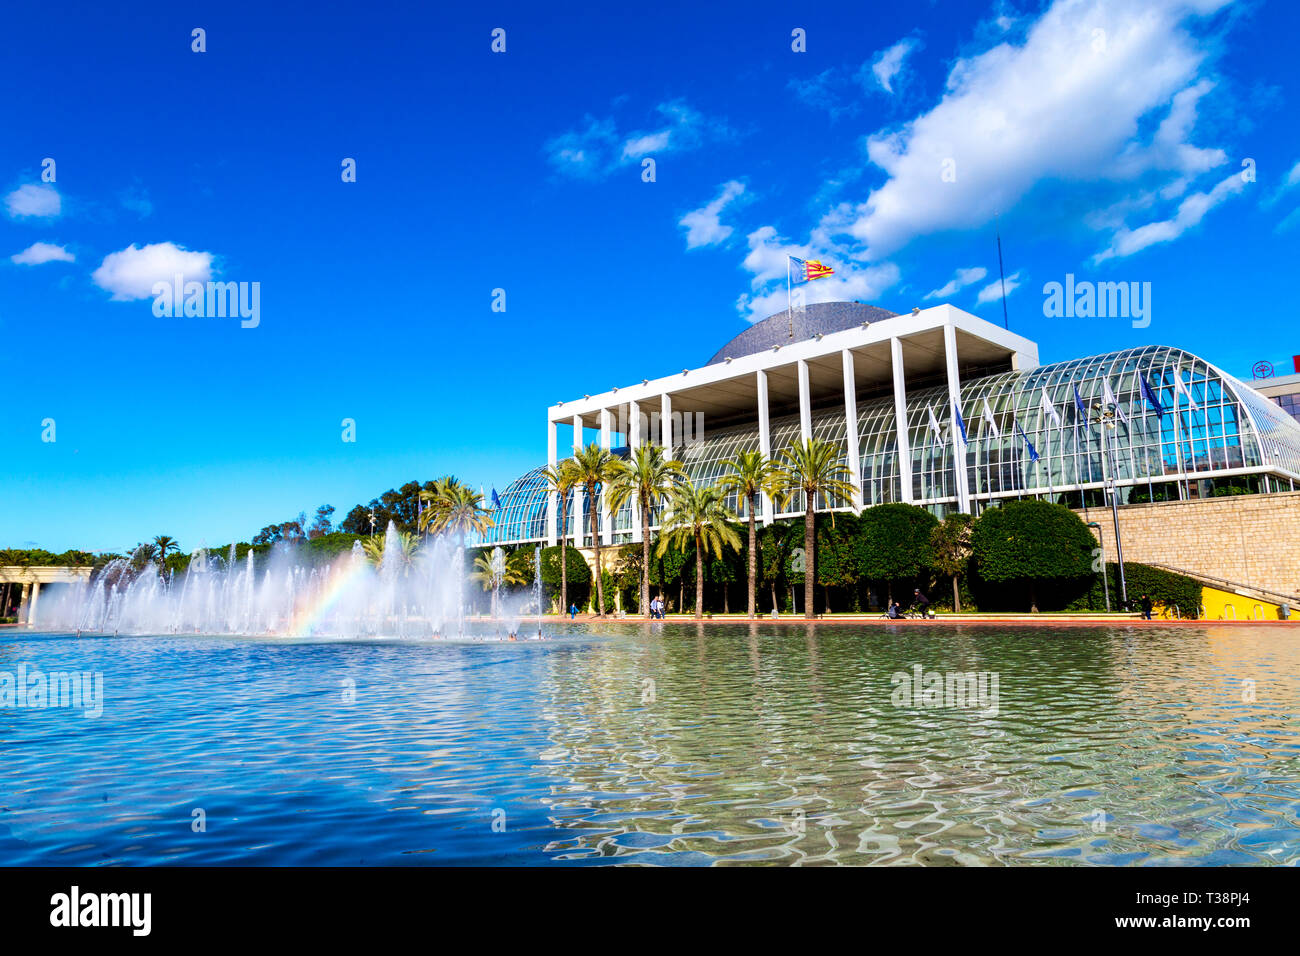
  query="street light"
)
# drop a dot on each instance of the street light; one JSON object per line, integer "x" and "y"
{"x": 1106, "y": 418}
{"x": 372, "y": 524}
{"x": 1105, "y": 584}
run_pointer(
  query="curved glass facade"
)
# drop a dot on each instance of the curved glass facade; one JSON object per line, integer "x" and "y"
{"x": 1212, "y": 426}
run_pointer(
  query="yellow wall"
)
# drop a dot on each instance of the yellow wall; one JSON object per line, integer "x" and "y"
{"x": 1215, "y": 601}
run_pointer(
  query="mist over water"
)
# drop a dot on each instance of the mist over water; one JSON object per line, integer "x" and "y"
{"x": 406, "y": 595}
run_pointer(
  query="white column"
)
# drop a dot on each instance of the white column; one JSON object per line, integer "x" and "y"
{"x": 851, "y": 429}
{"x": 764, "y": 440}
{"x": 805, "y": 410}
{"x": 666, "y": 424}
{"x": 606, "y": 519}
{"x": 36, "y": 599}
{"x": 579, "y": 526}
{"x": 633, "y": 443}
{"x": 24, "y": 610}
{"x": 954, "y": 396}
{"x": 553, "y": 499}
{"x": 900, "y": 420}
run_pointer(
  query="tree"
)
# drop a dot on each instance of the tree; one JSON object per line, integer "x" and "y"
{"x": 894, "y": 543}
{"x": 578, "y": 578}
{"x": 776, "y": 546}
{"x": 1031, "y": 542}
{"x": 648, "y": 477}
{"x": 950, "y": 550}
{"x": 595, "y": 467}
{"x": 747, "y": 476}
{"x": 698, "y": 514}
{"x": 811, "y": 468}
{"x": 493, "y": 569}
{"x": 560, "y": 481}
{"x": 164, "y": 545}
{"x": 837, "y": 565}
{"x": 322, "y": 524}
{"x": 457, "y": 509}
{"x": 401, "y": 558}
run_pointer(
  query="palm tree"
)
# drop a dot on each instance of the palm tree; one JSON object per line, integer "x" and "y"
{"x": 404, "y": 553}
{"x": 560, "y": 480}
{"x": 165, "y": 544}
{"x": 455, "y": 508}
{"x": 648, "y": 476}
{"x": 812, "y": 467}
{"x": 699, "y": 515}
{"x": 491, "y": 578}
{"x": 749, "y": 474}
{"x": 595, "y": 467}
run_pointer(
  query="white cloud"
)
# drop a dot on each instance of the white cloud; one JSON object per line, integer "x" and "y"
{"x": 767, "y": 260}
{"x": 132, "y": 272}
{"x": 1292, "y": 178}
{"x": 993, "y": 291}
{"x": 39, "y": 253}
{"x": 960, "y": 279}
{"x": 704, "y": 225}
{"x": 1066, "y": 103}
{"x": 888, "y": 64}
{"x": 600, "y": 148}
{"x": 35, "y": 201}
{"x": 1191, "y": 211}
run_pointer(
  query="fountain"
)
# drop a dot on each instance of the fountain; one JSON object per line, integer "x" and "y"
{"x": 410, "y": 593}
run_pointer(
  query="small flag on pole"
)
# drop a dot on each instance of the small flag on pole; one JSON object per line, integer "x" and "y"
{"x": 988, "y": 420}
{"x": 961, "y": 424}
{"x": 1150, "y": 396}
{"x": 1033, "y": 452}
{"x": 934, "y": 423}
{"x": 1180, "y": 388}
{"x": 1049, "y": 409}
{"x": 806, "y": 270}
{"x": 1078, "y": 404}
{"x": 1109, "y": 398}
{"x": 496, "y": 502}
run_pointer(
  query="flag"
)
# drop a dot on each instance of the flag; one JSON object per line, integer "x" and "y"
{"x": 1180, "y": 387}
{"x": 806, "y": 270}
{"x": 496, "y": 502}
{"x": 1078, "y": 404}
{"x": 988, "y": 419}
{"x": 1109, "y": 398}
{"x": 1150, "y": 396}
{"x": 934, "y": 422}
{"x": 1049, "y": 409}
{"x": 960, "y": 424}
{"x": 1033, "y": 452}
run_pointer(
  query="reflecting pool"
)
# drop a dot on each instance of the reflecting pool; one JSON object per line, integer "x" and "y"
{"x": 659, "y": 744}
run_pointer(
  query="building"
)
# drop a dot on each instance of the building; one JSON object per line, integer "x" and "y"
{"x": 938, "y": 408}
{"x": 1283, "y": 389}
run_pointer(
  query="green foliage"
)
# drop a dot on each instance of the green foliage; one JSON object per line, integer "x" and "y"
{"x": 894, "y": 542}
{"x": 1164, "y": 587}
{"x": 578, "y": 571}
{"x": 1031, "y": 540}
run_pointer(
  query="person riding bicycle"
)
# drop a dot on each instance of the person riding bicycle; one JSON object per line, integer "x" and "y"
{"x": 921, "y": 603}
{"x": 894, "y": 612}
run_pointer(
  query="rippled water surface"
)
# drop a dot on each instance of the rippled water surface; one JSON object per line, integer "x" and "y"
{"x": 670, "y": 744}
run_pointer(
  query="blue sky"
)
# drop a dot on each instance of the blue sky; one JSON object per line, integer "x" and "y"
{"x": 1108, "y": 137}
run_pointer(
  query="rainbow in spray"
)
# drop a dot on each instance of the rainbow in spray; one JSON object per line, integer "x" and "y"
{"x": 312, "y": 609}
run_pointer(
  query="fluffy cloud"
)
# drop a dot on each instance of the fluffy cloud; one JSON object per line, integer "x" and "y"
{"x": 888, "y": 64}
{"x": 1049, "y": 107}
{"x": 960, "y": 279}
{"x": 39, "y": 253}
{"x": 1190, "y": 212}
{"x": 132, "y": 272}
{"x": 767, "y": 259}
{"x": 704, "y": 225}
{"x": 600, "y": 148}
{"x": 993, "y": 291}
{"x": 34, "y": 201}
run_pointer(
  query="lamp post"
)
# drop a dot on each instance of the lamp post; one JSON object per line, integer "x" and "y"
{"x": 1105, "y": 417}
{"x": 1105, "y": 584}
{"x": 372, "y": 524}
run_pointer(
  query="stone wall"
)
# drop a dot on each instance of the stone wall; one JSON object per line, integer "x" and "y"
{"x": 1249, "y": 539}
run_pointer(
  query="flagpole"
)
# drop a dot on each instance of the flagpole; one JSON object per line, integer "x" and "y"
{"x": 789, "y": 302}
{"x": 1002, "y": 277}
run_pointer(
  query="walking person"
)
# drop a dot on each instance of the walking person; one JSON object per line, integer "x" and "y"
{"x": 573, "y": 611}
{"x": 1146, "y": 607}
